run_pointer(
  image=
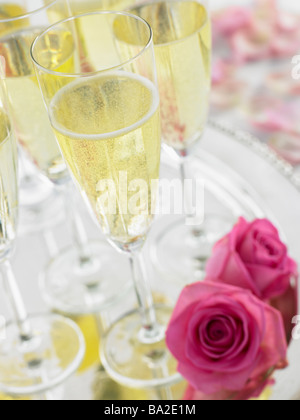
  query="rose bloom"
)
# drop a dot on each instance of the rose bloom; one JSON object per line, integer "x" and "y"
{"x": 253, "y": 257}
{"x": 225, "y": 338}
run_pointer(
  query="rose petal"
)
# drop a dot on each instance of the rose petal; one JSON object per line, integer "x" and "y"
{"x": 177, "y": 328}
{"x": 271, "y": 282}
{"x": 233, "y": 356}
{"x": 211, "y": 382}
{"x": 234, "y": 272}
{"x": 274, "y": 348}
{"x": 261, "y": 323}
{"x": 265, "y": 226}
{"x": 269, "y": 251}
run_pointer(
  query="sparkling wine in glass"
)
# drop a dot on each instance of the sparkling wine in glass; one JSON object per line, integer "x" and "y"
{"x": 107, "y": 121}
{"x": 82, "y": 278}
{"x": 182, "y": 44}
{"x": 38, "y": 199}
{"x": 37, "y": 352}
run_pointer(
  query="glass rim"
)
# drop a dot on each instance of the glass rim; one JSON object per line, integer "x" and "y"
{"x": 28, "y": 14}
{"x": 96, "y": 72}
{"x": 176, "y": 41}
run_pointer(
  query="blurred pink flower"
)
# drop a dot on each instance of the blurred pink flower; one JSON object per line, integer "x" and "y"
{"x": 282, "y": 83}
{"x": 285, "y": 45}
{"x": 272, "y": 114}
{"x": 228, "y": 93}
{"x": 246, "y": 46}
{"x": 227, "y": 21}
{"x": 286, "y": 22}
{"x": 271, "y": 120}
{"x": 258, "y": 33}
{"x": 222, "y": 70}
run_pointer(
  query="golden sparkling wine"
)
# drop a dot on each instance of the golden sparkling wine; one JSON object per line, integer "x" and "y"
{"x": 10, "y": 10}
{"x": 182, "y": 39}
{"x": 88, "y": 6}
{"x": 108, "y": 128}
{"x": 90, "y": 32}
{"x": 29, "y": 114}
{"x": 8, "y": 188}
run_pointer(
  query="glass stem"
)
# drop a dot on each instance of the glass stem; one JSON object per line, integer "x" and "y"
{"x": 50, "y": 243}
{"x": 192, "y": 192}
{"x": 150, "y": 329}
{"x": 79, "y": 235}
{"x": 16, "y": 300}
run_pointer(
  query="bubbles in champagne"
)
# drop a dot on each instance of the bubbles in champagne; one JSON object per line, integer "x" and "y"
{"x": 182, "y": 40}
{"x": 29, "y": 114}
{"x": 108, "y": 128}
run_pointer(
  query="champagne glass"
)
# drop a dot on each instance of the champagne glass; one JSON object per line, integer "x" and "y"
{"x": 35, "y": 192}
{"x": 106, "y": 119}
{"x": 37, "y": 353}
{"x": 84, "y": 277}
{"x": 182, "y": 44}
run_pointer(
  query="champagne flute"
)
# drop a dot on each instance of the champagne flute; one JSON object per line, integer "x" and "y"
{"x": 37, "y": 353}
{"x": 106, "y": 119}
{"x": 35, "y": 192}
{"x": 83, "y": 278}
{"x": 182, "y": 45}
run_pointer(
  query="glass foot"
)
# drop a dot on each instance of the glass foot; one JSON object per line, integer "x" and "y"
{"x": 44, "y": 360}
{"x": 180, "y": 252}
{"x": 77, "y": 286}
{"x": 133, "y": 363}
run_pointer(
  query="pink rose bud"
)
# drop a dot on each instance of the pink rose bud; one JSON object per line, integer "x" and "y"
{"x": 253, "y": 257}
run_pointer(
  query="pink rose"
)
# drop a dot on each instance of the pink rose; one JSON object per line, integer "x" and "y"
{"x": 253, "y": 257}
{"x": 224, "y": 337}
